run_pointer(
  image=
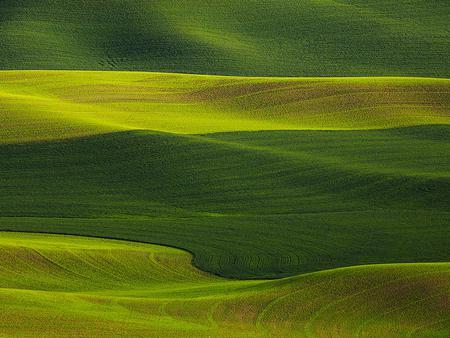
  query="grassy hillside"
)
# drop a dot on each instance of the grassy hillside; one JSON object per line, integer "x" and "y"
{"x": 266, "y": 37}
{"x": 47, "y": 105}
{"x": 247, "y": 204}
{"x": 53, "y": 286}
{"x": 280, "y": 168}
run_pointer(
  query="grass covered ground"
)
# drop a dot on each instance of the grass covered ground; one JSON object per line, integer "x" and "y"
{"x": 265, "y": 38}
{"x": 53, "y": 286}
{"x": 246, "y": 203}
{"x": 39, "y": 105}
{"x": 302, "y": 186}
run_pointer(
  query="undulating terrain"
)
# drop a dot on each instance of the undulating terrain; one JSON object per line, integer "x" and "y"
{"x": 233, "y": 37}
{"x": 224, "y": 169}
{"x": 76, "y": 286}
{"x": 256, "y": 177}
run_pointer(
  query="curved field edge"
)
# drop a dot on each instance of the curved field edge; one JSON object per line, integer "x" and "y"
{"x": 45, "y": 105}
{"x": 247, "y": 204}
{"x": 65, "y": 285}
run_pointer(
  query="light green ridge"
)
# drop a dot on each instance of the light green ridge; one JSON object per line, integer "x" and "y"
{"x": 247, "y": 204}
{"x": 40, "y": 105}
{"x": 58, "y": 286}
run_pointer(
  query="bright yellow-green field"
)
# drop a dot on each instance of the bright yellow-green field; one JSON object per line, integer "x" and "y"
{"x": 291, "y": 198}
{"x": 37, "y": 105}
{"x": 54, "y": 285}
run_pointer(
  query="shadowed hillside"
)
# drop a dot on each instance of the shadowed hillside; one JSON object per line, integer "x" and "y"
{"x": 247, "y": 204}
{"x": 280, "y": 168}
{"x": 265, "y": 37}
{"x": 90, "y": 153}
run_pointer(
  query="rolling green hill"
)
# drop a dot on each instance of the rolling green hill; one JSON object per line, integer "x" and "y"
{"x": 265, "y": 37}
{"x": 84, "y": 153}
{"x": 53, "y": 286}
{"x": 197, "y": 168}
{"x": 40, "y": 105}
{"x": 259, "y": 204}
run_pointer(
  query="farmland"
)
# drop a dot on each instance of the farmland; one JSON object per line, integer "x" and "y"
{"x": 42, "y": 105}
{"x": 194, "y": 168}
{"x": 76, "y": 286}
{"x": 247, "y": 204}
{"x": 297, "y": 200}
{"x": 229, "y": 37}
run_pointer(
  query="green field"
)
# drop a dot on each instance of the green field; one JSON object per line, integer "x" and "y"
{"x": 75, "y": 286}
{"x": 40, "y": 105}
{"x": 196, "y": 168}
{"x": 247, "y": 204}
{"x": 233, "y": 37}
{"x": 308, "y": 180}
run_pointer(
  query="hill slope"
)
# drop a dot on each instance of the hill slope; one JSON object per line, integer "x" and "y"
{"x": 38, "y": 105}
{"x": 66, "y": 286}
{"x": 282, "y": 38}
{"x": 247, "y": 204}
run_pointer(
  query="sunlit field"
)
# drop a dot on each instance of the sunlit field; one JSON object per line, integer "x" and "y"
{"x": 39, "y": 105}
{"x": 53, "y": 285}
{"x": 184, "y": 168}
